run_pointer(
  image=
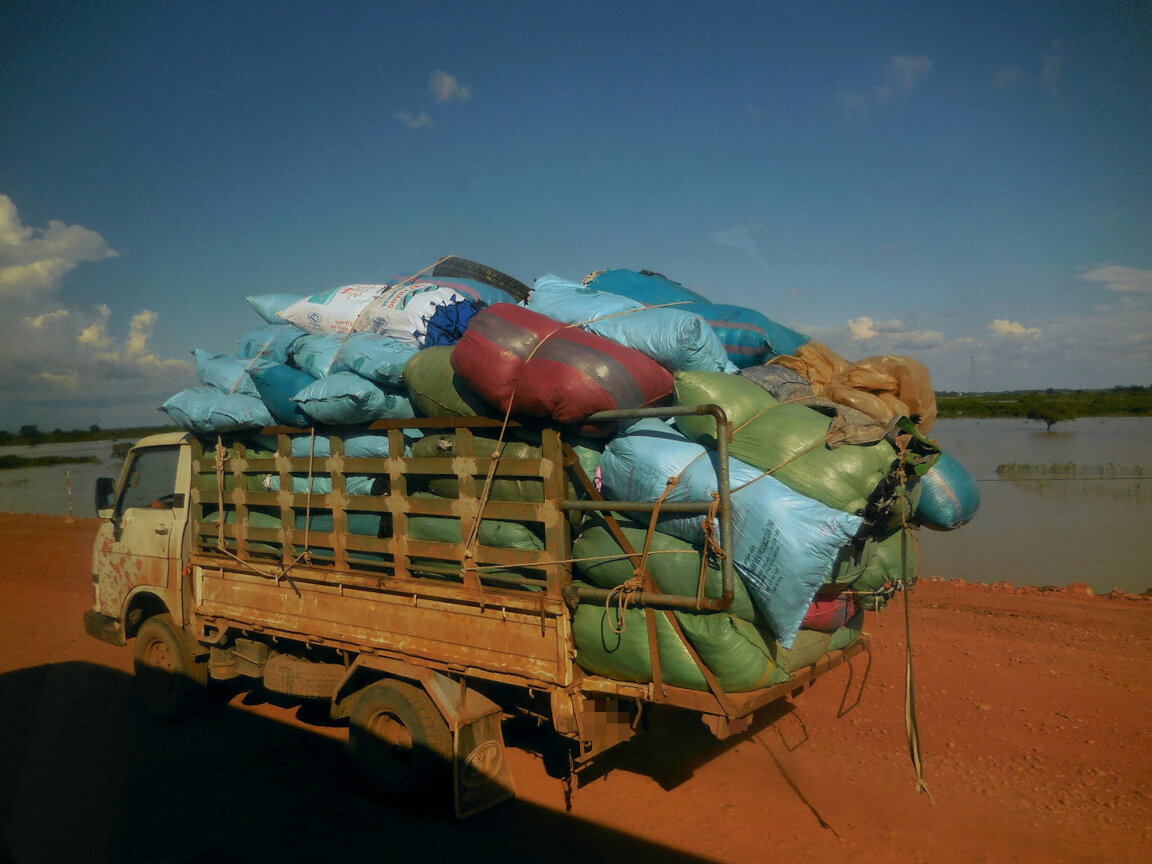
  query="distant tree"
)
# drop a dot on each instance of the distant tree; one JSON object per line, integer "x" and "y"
{"x": 31, "y": 433}
{"x": 1050, "y": 415}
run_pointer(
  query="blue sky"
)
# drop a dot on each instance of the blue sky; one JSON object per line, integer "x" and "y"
{"x": 967, "y": 183}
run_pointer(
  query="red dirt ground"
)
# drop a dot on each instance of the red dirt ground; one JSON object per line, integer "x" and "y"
{"x": 1034, "y": 715}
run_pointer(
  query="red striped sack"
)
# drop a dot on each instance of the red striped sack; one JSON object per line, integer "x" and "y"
{"x": 514, "y": 357}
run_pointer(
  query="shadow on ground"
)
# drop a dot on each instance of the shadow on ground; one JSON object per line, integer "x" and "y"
{"x": 88, "y": 775}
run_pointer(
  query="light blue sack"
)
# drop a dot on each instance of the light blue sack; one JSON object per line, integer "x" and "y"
{"x": 784, "y": 544}
{"x": 346, "y": 399}
{"x": 360, "y": 445}
{"x": 191, "y": 409}
{"x": 672, "y": 337}
{"x": 267, "y": 305}
{"x": 270, "y": 343}
{"x": 236, "y": 411}
{"x": 355, "y": 484}
{"x": 370, "y": 355}
{"x": 677, "y": 340}
{"x": 226, "y": 374}
{"x": 375, "y": 357}
{"x": 573, "y": 303}
{"x": 316, "y": 353}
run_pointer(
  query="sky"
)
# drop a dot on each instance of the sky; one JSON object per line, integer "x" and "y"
{"x": 965, "y": 183}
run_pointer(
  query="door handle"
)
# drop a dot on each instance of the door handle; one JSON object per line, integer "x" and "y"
{"x": 162, "y": 530}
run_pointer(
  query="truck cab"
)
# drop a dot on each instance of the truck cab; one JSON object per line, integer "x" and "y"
{"x": 142, "y": 546}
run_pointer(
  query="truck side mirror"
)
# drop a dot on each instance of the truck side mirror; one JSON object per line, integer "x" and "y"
{"x": 105, "y": 493}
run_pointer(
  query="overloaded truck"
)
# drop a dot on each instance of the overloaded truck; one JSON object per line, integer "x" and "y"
{"x": 438, "y": 508}
{"x": 394, "y": 581}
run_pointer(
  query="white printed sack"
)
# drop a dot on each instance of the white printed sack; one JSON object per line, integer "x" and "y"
{"x": 399, "y": 311}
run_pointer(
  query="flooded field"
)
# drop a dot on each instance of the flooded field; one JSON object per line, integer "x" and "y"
{"x": 46, "y": 490}
{"x": 1070, "y": 505}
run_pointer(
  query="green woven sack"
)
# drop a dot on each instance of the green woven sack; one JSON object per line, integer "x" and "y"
{"x": 886, "y": 571}
{"x": 443, "y": 445}
{"x": 625, "y": 655}
{"x": 492, "y": 532}
{"x": 437, "y": 391}
{"x": 785, "y": 439}
{"x": 673, "y": 563}
{"x": 732, "y": 649}
{"x": 847, "y": 634}
{"x": 808, "y": 647}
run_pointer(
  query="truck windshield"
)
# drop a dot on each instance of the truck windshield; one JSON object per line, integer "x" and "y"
{"x": 151, "y": 479}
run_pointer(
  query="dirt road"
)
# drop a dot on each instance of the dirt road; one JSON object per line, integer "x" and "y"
{"x": 1035, "y": 720}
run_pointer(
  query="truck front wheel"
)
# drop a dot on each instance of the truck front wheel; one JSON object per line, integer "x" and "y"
{"x": 170, "y": 680}
{"x": 401, "y": 741}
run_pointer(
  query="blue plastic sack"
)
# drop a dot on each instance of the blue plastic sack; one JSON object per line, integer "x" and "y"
{"x": 448, "y": 323}
{"x": 784, "y": 544}
{"x": 749, "y": 337}
{"x": 949, "y": 495}
{"x": 269, "y": 344}
{"x": 226, "y": 374}
{"x": 346, "y": 399}
{"x": 277, "y": 385}
{"x": 675, "y": 339}
{"x": 651, "y": 289}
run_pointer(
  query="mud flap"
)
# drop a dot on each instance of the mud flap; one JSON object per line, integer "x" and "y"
{"x": 480, "y": 771}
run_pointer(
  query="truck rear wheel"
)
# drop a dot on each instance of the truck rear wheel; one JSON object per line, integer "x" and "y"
{"x": 167, "y": 674}
{"x": 401, "y": 741}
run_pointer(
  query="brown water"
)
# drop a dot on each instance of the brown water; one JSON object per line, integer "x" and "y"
{"x": 1077, "y": 507}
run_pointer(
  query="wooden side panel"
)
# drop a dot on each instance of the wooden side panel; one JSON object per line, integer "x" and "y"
{"x": 442, "y": 632}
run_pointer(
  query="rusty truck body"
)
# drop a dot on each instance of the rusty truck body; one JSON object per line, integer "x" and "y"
{"x": 256, "y": 559}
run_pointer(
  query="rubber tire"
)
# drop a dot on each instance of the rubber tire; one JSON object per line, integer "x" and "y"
{"x": 171, "y": 682}
{"x": 401, "y": 742}
{"x": 462, "y": 268}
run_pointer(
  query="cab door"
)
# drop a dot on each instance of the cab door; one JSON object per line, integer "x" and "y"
{"x": 141, "y": 544}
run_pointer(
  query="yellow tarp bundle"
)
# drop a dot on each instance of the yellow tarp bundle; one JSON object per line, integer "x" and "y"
{"x": 882, "y": 387}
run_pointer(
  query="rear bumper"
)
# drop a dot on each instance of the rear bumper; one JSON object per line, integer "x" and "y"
{"x": 104, "y": 627}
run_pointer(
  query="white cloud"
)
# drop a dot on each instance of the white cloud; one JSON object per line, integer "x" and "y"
{"x": 1118, "y": 278}
{"x": 55, "y": 356}
{"x": 446, "y": 88}
{"x": 33, "y": 261}
{"x": 894, "y": 334}
{"x": 901, "y": 76}
{"x": 413, "y": 121}
{"x": 1013, "y": 329}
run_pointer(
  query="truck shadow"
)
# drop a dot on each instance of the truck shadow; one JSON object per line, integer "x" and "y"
{"x": 88, "y": 775}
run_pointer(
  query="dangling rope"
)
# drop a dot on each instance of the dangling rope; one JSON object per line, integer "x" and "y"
{"x": 911, "y": 725}
{"x": 624, "y": 593}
